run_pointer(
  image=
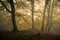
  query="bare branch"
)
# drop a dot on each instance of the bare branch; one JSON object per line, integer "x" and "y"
{"x": 5, "y": 7}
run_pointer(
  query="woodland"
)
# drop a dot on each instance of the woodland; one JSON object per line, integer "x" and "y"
{"x": 30, "y": 19}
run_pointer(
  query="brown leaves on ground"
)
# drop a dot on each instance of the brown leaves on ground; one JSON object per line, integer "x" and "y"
{"x": 37, "y": 35}
{"x": 33, "y": 31}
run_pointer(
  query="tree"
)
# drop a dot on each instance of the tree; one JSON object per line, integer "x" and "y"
{"x": 32, "y": 4}
{"x": 49, "y": 19}
{"x": 51, "y": 11}
{"x": 12, "y": 12}
{"x": 46, "y": 3}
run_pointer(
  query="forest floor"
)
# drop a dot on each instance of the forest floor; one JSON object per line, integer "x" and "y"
{"x": 31, "y": 34}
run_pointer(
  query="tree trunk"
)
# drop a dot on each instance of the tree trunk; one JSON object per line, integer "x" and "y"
{"x": 48, "y": 19}
{"x": 32, "y": 4}
{"x": 12, "y": 13}
{"x": 49, "y": 28}
{"x": 46, "y": 3}
{"x": 13, "y": 16}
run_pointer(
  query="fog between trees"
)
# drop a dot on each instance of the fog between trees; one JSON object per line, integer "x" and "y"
{"x": 48, "y": 21}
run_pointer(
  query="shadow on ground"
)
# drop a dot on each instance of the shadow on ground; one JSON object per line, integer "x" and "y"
{"x": 28, "y": 35}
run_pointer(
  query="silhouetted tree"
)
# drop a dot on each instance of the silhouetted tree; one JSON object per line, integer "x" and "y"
{"x": 12, "y": 12}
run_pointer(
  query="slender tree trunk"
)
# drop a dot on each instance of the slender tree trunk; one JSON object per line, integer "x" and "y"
{"x": 49, "y": 28}
{"x": 49, "y": 14}
{"x": 12, "y": 13}
{"x": 13, "y": 16}
{"x": 48, "y": 19}
{"x": 42, "y": 26}
{"x": 32, "y": 4}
